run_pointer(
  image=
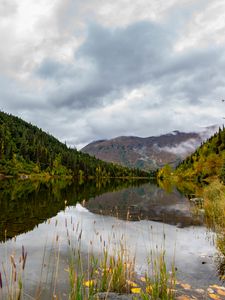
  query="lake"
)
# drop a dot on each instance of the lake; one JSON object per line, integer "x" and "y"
{"x": 51, "y": 219}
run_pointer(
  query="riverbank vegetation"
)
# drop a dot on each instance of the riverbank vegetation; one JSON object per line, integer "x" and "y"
{"x": 202, "y": 174}
{"x": 214, "y": 206}
{"x": 205, "y": 164}
{"x": 26, "y": 150}
{"x": 115, "y": 273}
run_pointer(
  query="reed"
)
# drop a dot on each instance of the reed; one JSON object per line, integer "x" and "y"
{"x": 13, "y": 280}
{"x": 160, "y": 283}
{"x": 214, "y": 205}
{"x": 106, "y": 273}
{"x": 112, "y": 269}
{"x": 115, "y": 272}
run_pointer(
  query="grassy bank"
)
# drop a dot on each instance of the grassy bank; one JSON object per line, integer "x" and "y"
{"x": 116, "y": 273}
{"x": 112, "y": 270}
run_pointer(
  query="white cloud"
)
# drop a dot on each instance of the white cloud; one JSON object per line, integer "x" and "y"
{"x": 124, "y": 12}
{"x": 205, "y": 28}
{"x": 183, "y": 149}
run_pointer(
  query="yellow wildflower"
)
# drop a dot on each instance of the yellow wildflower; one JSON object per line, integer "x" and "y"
{"x": 136, "y": 290}
{"x": 89, "y": 283}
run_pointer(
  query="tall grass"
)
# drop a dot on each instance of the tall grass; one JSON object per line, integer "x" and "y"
{"x": 116, "y": 273}
{"x": 214, "y": 205}
{"x": 106, "y": 273}
{"x": 110, "y": 270}
{"x": 160, "y": 283}
{"x": 14, "y": 277}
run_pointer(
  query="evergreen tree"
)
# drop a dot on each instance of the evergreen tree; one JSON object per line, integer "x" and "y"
{"x": 24, "y": 148}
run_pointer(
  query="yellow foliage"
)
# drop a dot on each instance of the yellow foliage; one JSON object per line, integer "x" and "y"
{"x": 221, "y": 292}
{"x": 218, "y": 287}
{"x": 183, "y": 297}
{"x": 214, "y": 296}
{"x": 131, "y": 283}
{"x": 186, "y": 286}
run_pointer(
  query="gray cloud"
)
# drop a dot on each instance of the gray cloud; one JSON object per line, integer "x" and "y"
{"x": 194, "y": 76}
{"x": 85, "y": 74}
{"x": 118, "y": 58}
{"x": 124, "y": 58}
{"x": 18, "y": 99}
{"x": 123, "y": 55}
{"x": 8, "y": 8}
{"x": 50, "y": 68}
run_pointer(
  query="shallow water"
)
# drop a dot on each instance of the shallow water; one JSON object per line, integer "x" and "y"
{"x": 54, "y": 223}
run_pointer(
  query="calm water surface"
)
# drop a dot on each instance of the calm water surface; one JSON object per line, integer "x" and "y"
{"x": 48, "y": 219}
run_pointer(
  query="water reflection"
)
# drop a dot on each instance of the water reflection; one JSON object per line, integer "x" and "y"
{"x": 146, "y": 202}
{"x": 24, "y": 204}
{"x": 106, "y": 211}
{"x": 190, "y": 246}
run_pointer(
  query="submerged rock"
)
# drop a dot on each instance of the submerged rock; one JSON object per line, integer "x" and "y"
{"x": 116, "y": 296}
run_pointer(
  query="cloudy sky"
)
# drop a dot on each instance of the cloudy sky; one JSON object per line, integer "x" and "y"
{"x": 93, "y": 69}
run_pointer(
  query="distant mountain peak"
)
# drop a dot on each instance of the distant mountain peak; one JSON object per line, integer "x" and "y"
{"x": 176, "y": 132}
{"x": 97, "y": 142}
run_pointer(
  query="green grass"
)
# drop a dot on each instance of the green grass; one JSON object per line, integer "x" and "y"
{"x": 214, "y": 197}
{"x": 116, "y": 273}
{"x": 214, "y": 205}
{"x": 160, "y": 284}
{"x": 106, "y": 273}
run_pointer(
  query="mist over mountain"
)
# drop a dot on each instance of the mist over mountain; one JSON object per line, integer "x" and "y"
{"x": 151, "y": 152}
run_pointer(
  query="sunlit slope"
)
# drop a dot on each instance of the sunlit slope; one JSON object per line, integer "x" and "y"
{"x": 207, "y": 161}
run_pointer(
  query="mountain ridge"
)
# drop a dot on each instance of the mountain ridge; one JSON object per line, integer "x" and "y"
{"x": 148, "y": 153}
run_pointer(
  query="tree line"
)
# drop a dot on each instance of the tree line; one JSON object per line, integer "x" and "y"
{"x": 27, "y": 149}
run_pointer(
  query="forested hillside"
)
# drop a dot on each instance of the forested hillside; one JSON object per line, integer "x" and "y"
{"x": 26, "y": 149}
{"x": 207, "y": 161}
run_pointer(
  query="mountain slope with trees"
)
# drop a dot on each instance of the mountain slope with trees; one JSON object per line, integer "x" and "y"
{"x": 26, "y": 149}
{"x": 207, "y": 161}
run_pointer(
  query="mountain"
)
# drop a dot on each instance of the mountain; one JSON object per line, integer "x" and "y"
{"x": 26, "y": 149}
{"x": 151, "y": 152}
